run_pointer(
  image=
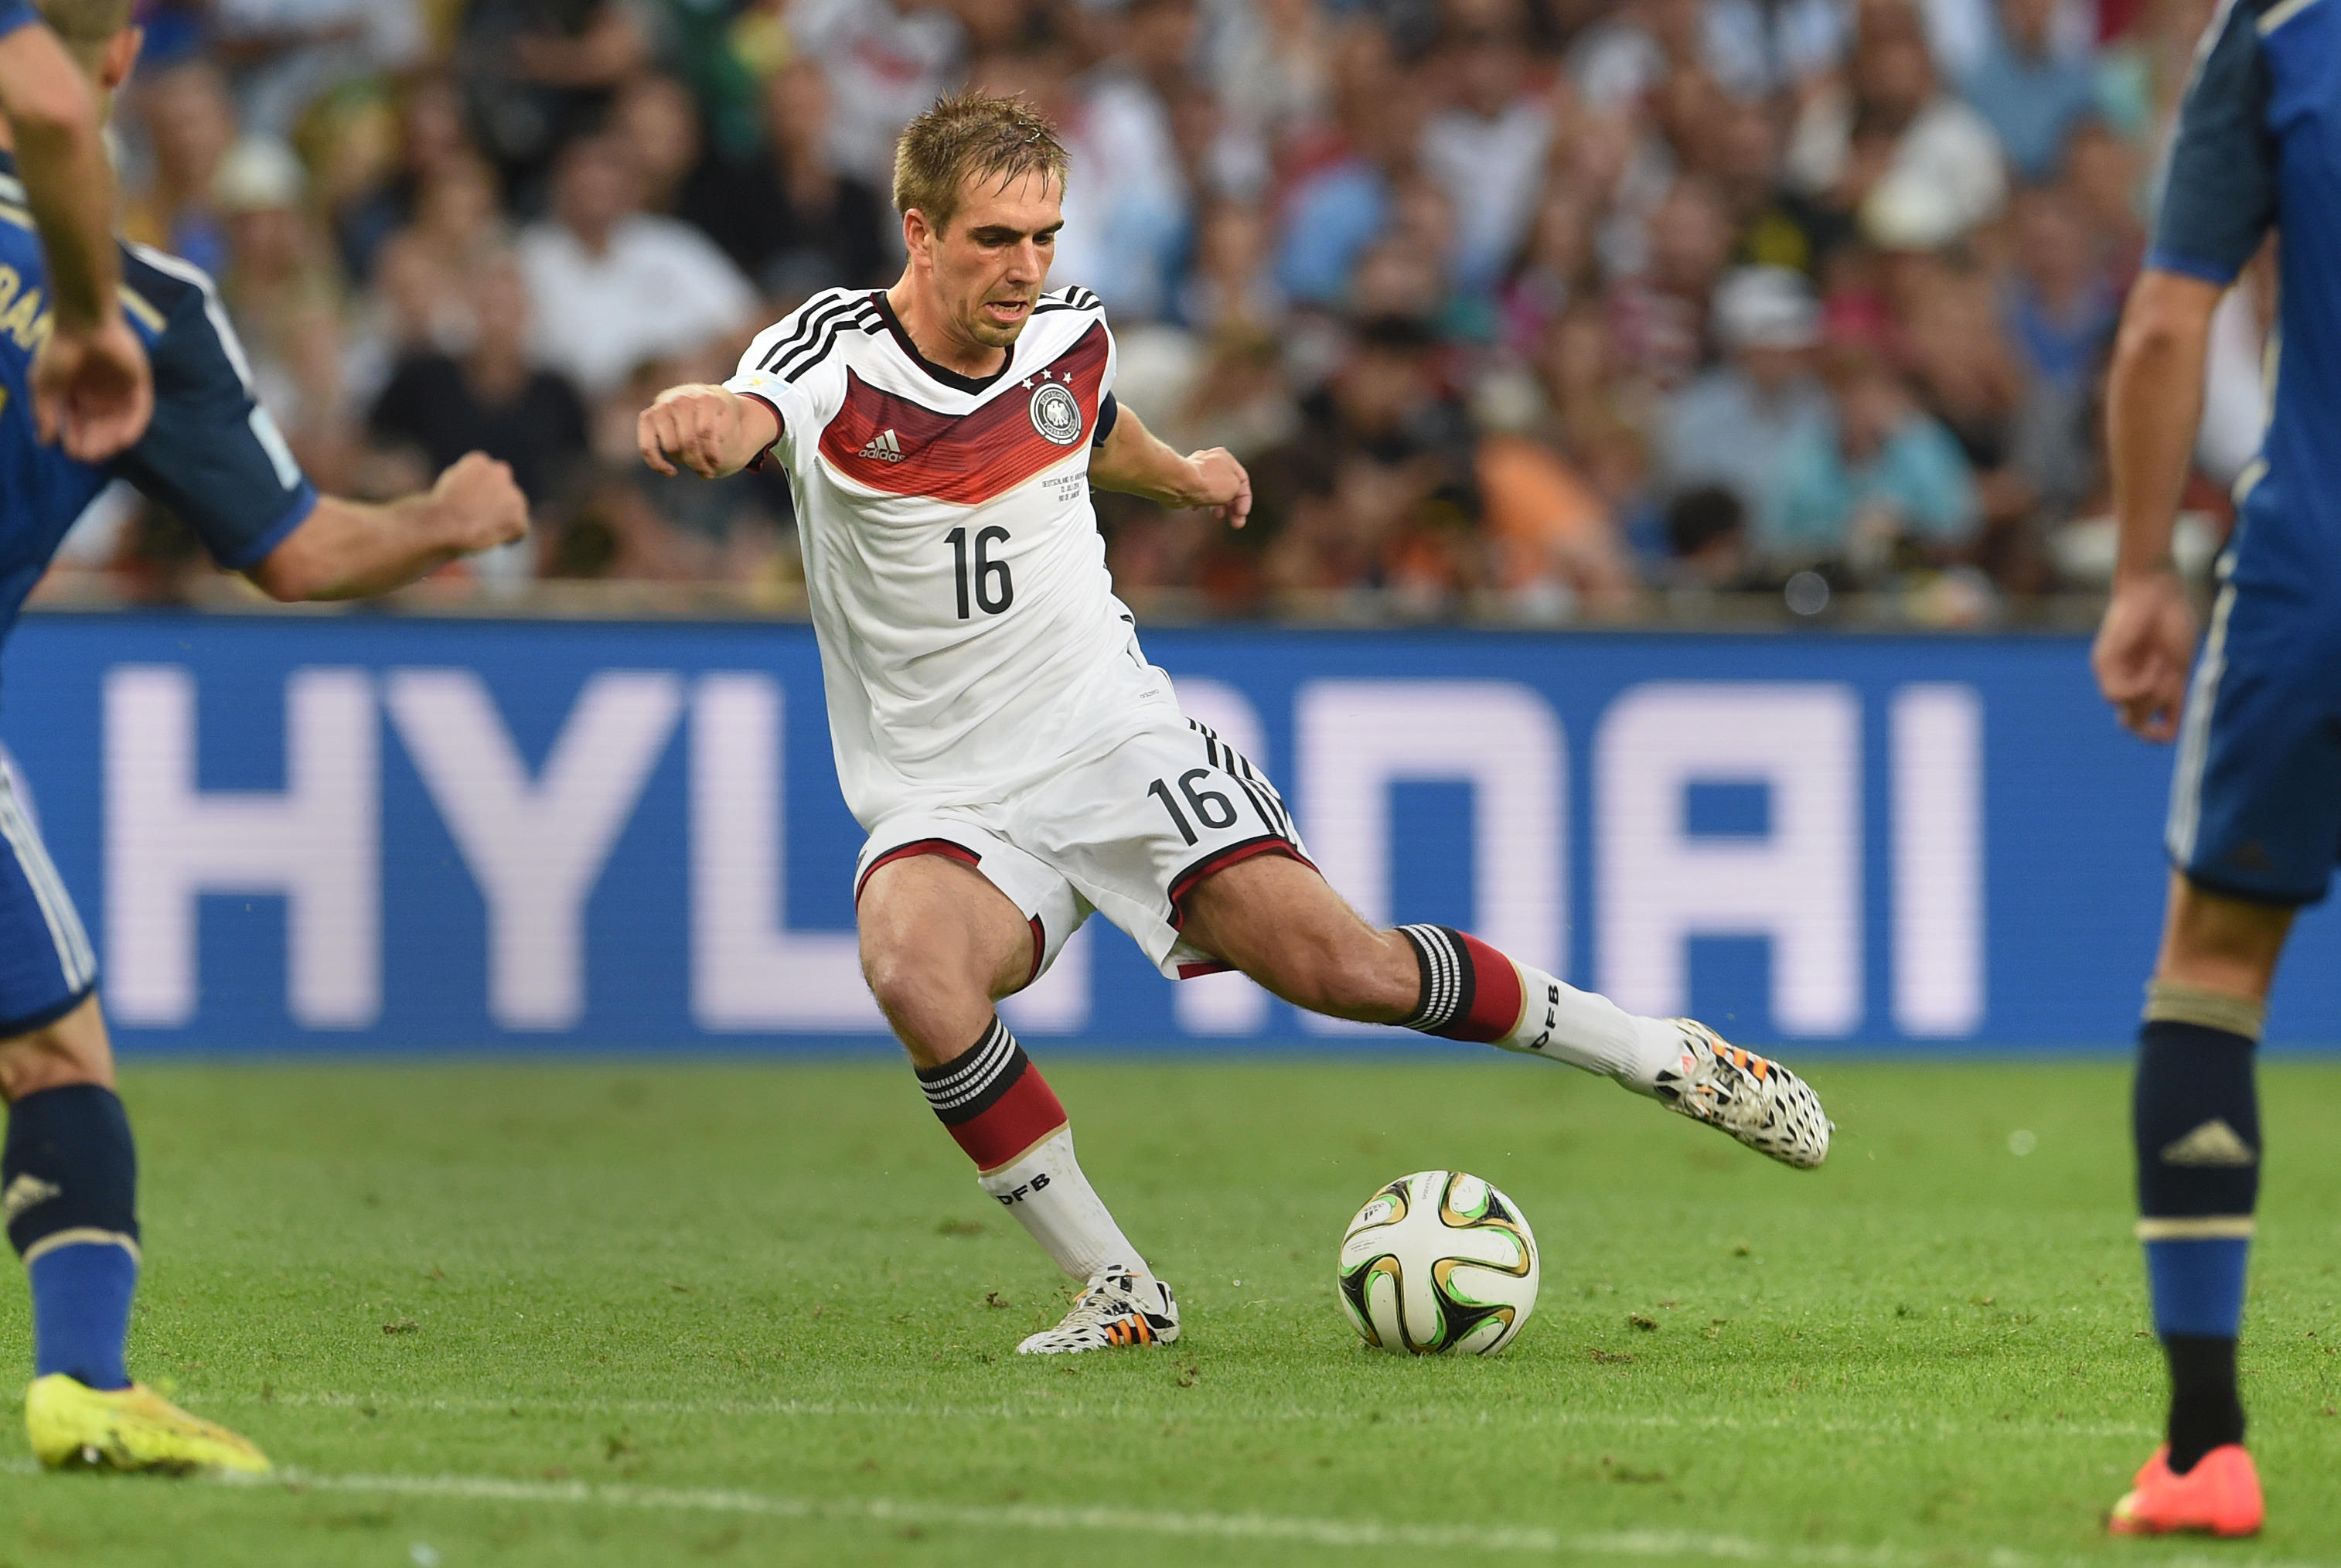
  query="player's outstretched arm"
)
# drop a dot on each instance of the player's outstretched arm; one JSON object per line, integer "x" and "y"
{"x": 351, "y": 549}
{"x": 1134, "y": 462}
{"x": 90, "y": 385}
{"x": 707, "y": 429}
{"x": 2154, "y": 400}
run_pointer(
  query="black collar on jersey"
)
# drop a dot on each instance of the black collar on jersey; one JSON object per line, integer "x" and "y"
{"x": 950, "y": 378}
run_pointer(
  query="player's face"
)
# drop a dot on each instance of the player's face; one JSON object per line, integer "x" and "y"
{"x": 992, "y": 261}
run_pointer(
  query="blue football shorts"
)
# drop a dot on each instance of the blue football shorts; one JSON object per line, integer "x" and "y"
{"x": 2256, "y": 796}
{"x": 47, "y": 965}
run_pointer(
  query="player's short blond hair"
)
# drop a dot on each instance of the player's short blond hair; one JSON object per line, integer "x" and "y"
{"x": 85, "y": 21}
{"x": 969, "y": 137}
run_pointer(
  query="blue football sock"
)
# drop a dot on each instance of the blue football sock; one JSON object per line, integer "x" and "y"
{"x": 2197, "y": 1287}
{"x": 81, "y": 1312}
{"x": 2195, "y": 1118}
{"x": 68, "y": 1188}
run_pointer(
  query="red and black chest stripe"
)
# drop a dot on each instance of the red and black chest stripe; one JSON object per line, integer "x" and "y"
{"x": 889, "y": 443}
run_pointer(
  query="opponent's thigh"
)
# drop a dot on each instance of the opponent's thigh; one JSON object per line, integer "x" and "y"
{"x": 1282, "y": 923}
{"x": 939, "y": 943}
{"x": 73, "y": 1049}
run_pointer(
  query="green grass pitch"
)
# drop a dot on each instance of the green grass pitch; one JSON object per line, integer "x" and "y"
{"x": 761, "y": 1314}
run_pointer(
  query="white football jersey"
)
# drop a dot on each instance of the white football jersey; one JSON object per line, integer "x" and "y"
{"x": 970, "y": 637}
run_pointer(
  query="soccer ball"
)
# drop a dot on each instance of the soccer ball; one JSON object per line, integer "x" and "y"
{"x": 1438, "y": 1261}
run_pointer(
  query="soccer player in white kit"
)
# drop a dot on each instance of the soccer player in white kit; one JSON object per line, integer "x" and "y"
{"x": 1016, "y": 760}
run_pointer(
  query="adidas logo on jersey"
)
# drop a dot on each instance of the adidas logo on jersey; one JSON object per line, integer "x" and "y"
{"x": 883, "y": 448}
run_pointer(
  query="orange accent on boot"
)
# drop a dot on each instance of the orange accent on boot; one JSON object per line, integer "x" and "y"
{"x": 2220, "y": 1496}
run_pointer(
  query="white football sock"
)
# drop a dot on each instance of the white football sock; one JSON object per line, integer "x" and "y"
{"x": 1586, "y": 1029}
{"x": 1044, "y": 1188}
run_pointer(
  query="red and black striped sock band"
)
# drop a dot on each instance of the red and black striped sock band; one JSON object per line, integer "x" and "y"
{"x": 992, "y": 1100}
{"x": 1469, "y": 991}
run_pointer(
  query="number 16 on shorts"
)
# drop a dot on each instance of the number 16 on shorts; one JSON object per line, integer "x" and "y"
{"x": 1208, "y": 806}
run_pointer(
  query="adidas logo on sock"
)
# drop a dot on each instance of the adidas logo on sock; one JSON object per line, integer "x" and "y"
{"x": 27, "y": 1192}
{"x": 2212, "y": 1144}
{"x": 883, "y": 448}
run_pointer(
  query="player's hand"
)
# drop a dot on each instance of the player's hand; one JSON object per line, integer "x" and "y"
{"x": 1221, "y": 485}
{"x": 92, "y": 390}
{"x": 2143, "y": 649}
{"x": 483, "y": 502}
{"x": 705, "y": 429}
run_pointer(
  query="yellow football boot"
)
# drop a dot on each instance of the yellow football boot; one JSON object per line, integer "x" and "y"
{"x": 73, "y": 1425}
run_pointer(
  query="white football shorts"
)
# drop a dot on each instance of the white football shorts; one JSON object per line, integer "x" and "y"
{"x": 1129, "y": 832}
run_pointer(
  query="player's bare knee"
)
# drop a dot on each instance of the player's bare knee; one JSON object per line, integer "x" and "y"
{"x": 932, "y": 991}
{"x": 905, "y": 976}
{"x": 71, "y": 1050}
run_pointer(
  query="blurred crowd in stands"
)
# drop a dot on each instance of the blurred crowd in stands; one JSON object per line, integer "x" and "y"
{"x": 1531, "y": 309}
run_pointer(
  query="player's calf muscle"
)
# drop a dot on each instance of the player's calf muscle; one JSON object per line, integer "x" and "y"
{"x": 72, "y": 1050}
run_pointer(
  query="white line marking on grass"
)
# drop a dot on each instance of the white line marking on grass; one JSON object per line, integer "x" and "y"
{"x": 1524, "y": 1539}
{"x": 1077, "y": 1410}
{"x": 1518, "y": 1540}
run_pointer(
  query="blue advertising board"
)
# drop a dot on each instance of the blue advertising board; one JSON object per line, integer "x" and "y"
{"x": 365, "y": 833}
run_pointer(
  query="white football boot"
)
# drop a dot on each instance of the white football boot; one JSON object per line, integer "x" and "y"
{"x": 1117, "y": 1308}
{"x": 1751, "y": 1097}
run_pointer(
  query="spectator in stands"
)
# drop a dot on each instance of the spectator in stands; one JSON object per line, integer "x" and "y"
{"x": 1706, "y": 539}
{"x": 1554, "y": 270}
{"x": 886, "y": 61}
{"x": 276, "y": 275}
{"x": 430, "y": 134}
{"x": 1271, "y": 60}
{"x": 1556, "y": 544}
{"x": 491, "y": 398}
{"x": 1872, "y": 484}
{"x": 2033, "y": 93}
{"x": 1242, "y": 398}
{"x": 1771, "y": 224}
{"x": 1229, "y": 285}
{"x": 424, "y": 270}
{"x": 1967, "y": 374}
{"x": 654, "y": 116}
{"x": 614, "y": 285}
{"x": 1659, "y": 317}
{"x": 537, "y": 73}
{"x": 1919, "y": 167}
{"x": 1382, "y": 463}
{"x": 288, "y": 53}
{"x": 2061, "y": 306}
{"x": 1336, "y": 212}
{"x": 1486, "y": 149}
{"x": 792, "y": 221}
{"x": 1750, "y": 49}
{"x": 190, "y": 125}
{"x": 2101, "y": 178}
{"x": 1727, "y": 429}
{"x": 1128, "y": 199}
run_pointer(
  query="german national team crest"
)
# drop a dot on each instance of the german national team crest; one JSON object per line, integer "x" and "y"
{"x": 1056, "y": 414}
